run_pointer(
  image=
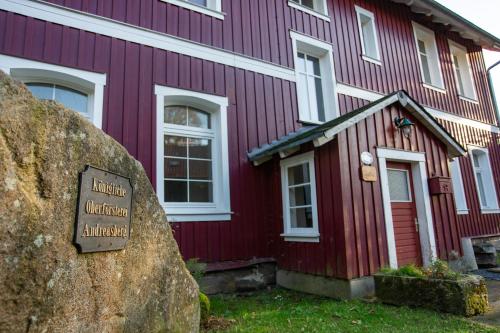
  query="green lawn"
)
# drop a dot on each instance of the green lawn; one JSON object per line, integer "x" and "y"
{"x": 280, "y": 310}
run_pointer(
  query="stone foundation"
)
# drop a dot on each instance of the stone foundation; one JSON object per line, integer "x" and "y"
{"x": 324, "y": 286}
{"x": 233, "y": 278}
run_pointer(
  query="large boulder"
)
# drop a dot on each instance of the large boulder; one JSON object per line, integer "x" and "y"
{"x": 45, "y": 284}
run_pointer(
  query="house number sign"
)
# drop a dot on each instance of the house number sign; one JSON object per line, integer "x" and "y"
{"x": 104, "y": 211}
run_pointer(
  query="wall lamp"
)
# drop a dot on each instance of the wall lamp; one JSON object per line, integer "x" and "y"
{"x": 404, "y": 125}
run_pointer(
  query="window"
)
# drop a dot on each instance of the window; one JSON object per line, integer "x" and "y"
{"x": 314, "y": 71}
{"x": 462, "y": 70}
{"x": 399, "y": 185}
{"x": 298, "y": 185}
{"x": 428, "y": 57}
{"x": 368, "y": 35}
{"x": 485, "y": 184}
{"x": 192, "y": 158}
{"x": 208, "y": 7}
{"x": 70, "y": 98}
{"x": 458, "y": 187}
{"x": 316, "y": 8}
{"x": 78, "y": 90}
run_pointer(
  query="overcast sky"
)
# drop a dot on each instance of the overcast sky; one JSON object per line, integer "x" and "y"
{"x": 485, "y": 14}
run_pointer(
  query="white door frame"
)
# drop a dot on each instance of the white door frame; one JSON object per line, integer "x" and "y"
{"x": 422, "y": 202}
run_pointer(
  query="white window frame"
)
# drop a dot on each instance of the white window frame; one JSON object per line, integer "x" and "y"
{"x": 308, "y": 235}
{"x": 377, "y": 58}
{"x": 429, "y": 38}
{"x": 320, "y": 9}
{"x": 491, "y": 206}
{"x": 90, "y": 83}
{"x": 213, "y": 8}
{"x": 220, "y": 208}
{"x": 324, "y": 52}
{"x": 458, "y": 187}
{"x": 462, "y": 55}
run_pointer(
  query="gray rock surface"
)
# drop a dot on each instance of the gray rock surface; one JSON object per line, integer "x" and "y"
{"x": 45, "y": 285}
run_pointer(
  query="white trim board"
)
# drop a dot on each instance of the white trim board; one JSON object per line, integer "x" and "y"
{"x": 112, "y": 28}
{"x": 422, "y": 202}
{"x": 371, "y": 96}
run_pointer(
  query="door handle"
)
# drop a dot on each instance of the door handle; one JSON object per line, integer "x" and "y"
{"x": 416, "y": 224}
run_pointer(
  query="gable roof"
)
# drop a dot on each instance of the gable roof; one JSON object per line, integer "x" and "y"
{"x": 442, "y": 15}
{"x": 321, "y": 134}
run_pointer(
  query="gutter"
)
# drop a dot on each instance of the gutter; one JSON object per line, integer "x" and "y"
{"x": 492, "y": 90}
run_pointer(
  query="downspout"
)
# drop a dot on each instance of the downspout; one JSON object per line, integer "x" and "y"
{"x": 492, "y": 90}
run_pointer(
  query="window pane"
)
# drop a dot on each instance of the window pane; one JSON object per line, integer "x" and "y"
{"x": 175, "y": 168}
{"x": 199, "y": 2}
{"x": 175, "y": 146}
{"x": 200, "y": 170}
{"x": 312, "y": 64}
{"x": 176, "y": 115}
{"x": 302, "y": 62}
{"x": 200, "y": 192}
{"x": 41, "y": 90}
{"x": 300, "y": 196}
{"x": 475, "y": 158}
{"x": 319, "y": 100}
{"x": 313, "y": 98}
{"x": 308, "y": 3}
{"x": 72, "y": 99}
{"x": 482, "y": 193}
{"x": 398, "y": 185}
{"x": 301, "y": 217}
{"x": 369, "y": 41}
{"x": 197, "y": 118}
{"x": 298, "y": 174}
{"x": 175, "y": 191}
{"x": 421, "y": 47}
{"x": 200, "y": 148}
{"x": 426, "y": 69}
{"x": 459, "y": 75}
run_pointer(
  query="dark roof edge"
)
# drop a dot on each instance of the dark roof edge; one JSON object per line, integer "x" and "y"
{"x": 445, "y": 15}
{"x": 323, "y": 133}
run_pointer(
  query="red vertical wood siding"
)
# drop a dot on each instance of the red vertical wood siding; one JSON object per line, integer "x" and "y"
{"x": 260, "y": 29}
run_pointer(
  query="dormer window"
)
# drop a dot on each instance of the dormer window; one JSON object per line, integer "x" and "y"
{"x": 462, "y": 71}
{"x": 368, "y": 35}
{"x": 428, "y": 57}
{"x": 314, "y": 71}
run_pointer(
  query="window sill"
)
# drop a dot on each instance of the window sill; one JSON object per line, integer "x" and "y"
{"x": 310, "y": 122}
{"x": 462, "y": 211}
{"x": 372, "y": 60}
{"x": 309, "y": 11}
{"x": 490, "y": 211}
{"x": 196, "y": 215}
{"x": 435, "y": 88}
{"x": 468, "y": 99}
{"x": 302, "y": 238}
{"x": 197, "y": 8}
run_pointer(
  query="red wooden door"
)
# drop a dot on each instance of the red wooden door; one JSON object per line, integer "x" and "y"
{"x": 404, "y": 214}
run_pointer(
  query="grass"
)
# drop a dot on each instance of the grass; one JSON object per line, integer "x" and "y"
{"x": 281, "y": 310}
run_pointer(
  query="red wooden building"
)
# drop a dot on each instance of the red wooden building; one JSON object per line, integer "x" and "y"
{"x": 282, "y": 128}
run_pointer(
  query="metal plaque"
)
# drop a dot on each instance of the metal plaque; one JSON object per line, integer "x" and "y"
{"x": 104, "y": 211}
